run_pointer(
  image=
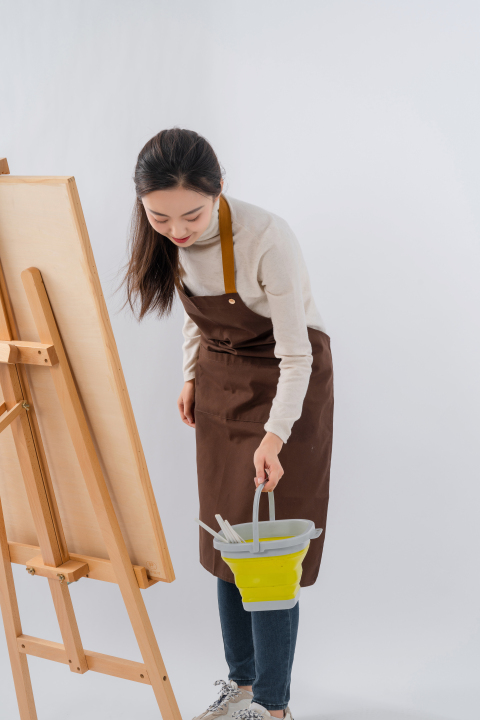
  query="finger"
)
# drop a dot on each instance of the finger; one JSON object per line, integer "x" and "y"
{"x": 276, "y": 472}
{"x": 180, "y": 406}
{"x": 260, "y": 474}
{"x": 188, "y": 410}
{"x": 265, "y": 480}
{"x": 271, "y": 485}
{"x": 183, "y": 416}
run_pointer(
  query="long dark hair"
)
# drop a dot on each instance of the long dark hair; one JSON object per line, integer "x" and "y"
{"x": 172, "y": 158}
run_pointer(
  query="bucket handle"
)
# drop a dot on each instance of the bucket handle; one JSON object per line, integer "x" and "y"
{"x": 256, "y": 505}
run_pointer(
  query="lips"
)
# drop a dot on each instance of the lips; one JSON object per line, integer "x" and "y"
{"x": 182, "y": 240}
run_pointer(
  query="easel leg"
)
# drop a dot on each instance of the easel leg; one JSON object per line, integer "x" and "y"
{"x": 97, "y": 488}
{"x": 15, "y": 387}
{"x": 13, "y": 628}
{"x": 148, "y": 645}
{"x": 68, "y": 626}
{"x": 47, "y": 530}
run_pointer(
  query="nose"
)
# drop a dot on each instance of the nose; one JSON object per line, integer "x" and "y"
{"x": 178, "y": 234}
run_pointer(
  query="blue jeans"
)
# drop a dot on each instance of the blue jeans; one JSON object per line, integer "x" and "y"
{"x": 259, "y": 646}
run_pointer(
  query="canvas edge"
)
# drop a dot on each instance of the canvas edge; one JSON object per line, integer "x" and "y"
{"x": 122, "y": 390}
{"x": 111, "y": 349}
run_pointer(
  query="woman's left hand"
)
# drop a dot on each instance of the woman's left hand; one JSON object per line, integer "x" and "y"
{"x": 266, "y": 458}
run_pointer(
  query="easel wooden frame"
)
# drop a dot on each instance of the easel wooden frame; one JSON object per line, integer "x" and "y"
{"x": 52, "y": 559}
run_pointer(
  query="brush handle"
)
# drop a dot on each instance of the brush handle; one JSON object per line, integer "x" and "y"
{"x": 237, "y": 537}
{"x": 226, "y": 531}
{"x": 209, "y": 529}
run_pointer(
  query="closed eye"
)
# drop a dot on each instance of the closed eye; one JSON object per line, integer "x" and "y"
{"x": 161, "y": 222}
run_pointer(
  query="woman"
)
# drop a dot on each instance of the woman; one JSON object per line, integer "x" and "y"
{"x": 258, "y": 383}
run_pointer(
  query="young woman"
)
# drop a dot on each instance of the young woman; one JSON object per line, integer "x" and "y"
{"x": 258, "y": 385}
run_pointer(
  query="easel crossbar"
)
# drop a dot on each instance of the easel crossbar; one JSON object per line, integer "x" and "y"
{"x": 10, "y": 416}
{"x": 106, "y": 664}
{"x": 28, "y": 353}
{"x": 98, "y": 568}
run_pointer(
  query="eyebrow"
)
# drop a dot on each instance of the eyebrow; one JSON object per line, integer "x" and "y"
{"x": 187, "y": 213}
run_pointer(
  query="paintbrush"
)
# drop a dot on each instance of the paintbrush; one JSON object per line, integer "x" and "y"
{"x": 212, "y": 532}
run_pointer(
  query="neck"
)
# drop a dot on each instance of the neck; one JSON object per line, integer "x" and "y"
{"x": 212, "y": 232}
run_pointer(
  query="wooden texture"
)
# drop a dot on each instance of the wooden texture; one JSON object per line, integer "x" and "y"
{"x": 68, "y": 626}
{"x": 32, "y": 477}
{"x": 98, "y": 568}
{"x": 42, "y": 225}
{"x": 28, "y": 352}
{"x": 10, "y": 415}
{"x": 73, "y": 410}
{"x": 13, "y": 628}
{"x": 27, "y": 443}
{"x": 15, "y": 389}
{"x": 95, "y": 482}
{"x": 72, "y": 570}
{"x": 107, "y": 664}
{"x": 8, "y": 353}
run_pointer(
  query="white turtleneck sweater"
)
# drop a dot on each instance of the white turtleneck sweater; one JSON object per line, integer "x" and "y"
{"x": 271, "y": 278}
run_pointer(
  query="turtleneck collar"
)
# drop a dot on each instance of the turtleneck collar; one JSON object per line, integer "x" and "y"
{"x": 213, "y": 229}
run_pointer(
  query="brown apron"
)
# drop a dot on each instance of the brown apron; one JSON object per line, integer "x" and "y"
{"x": 236, "y": 378}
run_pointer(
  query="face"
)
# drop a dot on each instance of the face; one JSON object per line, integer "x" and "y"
{"x": 181, "y": 215}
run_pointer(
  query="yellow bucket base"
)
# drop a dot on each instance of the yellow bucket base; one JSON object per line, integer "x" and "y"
{"x": 262, "y": 579}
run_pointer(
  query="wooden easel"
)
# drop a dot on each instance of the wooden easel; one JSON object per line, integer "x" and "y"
{"x": 52, "y": 559}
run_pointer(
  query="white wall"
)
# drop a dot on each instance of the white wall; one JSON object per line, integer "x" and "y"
{"x": 358, "y": 123}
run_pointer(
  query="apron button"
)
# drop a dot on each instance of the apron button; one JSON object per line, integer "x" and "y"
{"x": 231, "y": 300}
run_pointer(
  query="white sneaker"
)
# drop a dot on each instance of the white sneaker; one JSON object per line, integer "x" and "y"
{"x": 231, "y": 698}
{"x": 255, "y": 711}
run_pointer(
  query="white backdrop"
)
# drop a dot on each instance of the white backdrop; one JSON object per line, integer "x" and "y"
{"x": 358, "y": 123}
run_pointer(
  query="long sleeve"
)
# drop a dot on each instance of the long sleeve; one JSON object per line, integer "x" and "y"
{"x": 279, "y": 273}
{"x": 272, "y": 279}
{"x": 190, "y": 347}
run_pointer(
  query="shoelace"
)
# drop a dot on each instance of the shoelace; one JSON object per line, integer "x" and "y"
{"x": 247, "y": 714}
{"x": 227, "y": 692}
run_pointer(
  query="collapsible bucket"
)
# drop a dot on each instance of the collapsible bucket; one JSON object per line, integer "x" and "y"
{"x": 268, "y": 572}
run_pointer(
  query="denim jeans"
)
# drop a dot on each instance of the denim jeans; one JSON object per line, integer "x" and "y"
{"x": 259, "y": 646}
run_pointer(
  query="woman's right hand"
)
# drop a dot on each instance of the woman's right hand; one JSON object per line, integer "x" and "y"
{"x": 186, "y": 403}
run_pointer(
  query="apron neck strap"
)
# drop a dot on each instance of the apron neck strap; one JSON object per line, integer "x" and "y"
{"x": 226, "y": 239}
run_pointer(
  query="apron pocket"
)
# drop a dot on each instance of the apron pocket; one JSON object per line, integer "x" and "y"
{"x": 235, "y": 387}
